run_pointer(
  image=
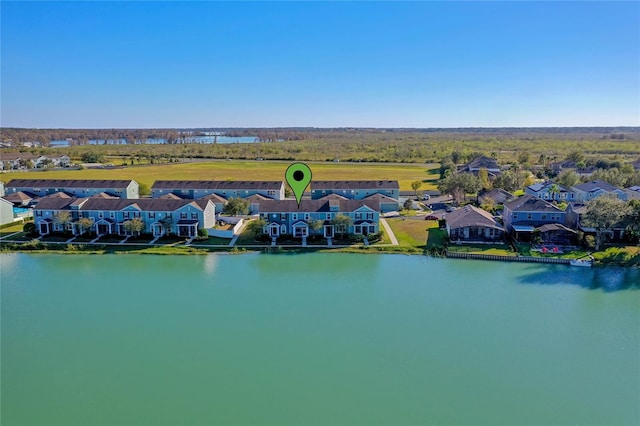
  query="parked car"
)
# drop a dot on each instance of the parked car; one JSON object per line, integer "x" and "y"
{"x": 426, "y": 197}
{"x": 431, "y": 217}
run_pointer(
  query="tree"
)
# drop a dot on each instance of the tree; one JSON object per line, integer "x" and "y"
{"x": 256, "y": 226}
{"x": 446, "y": 167}
{"x": 134, "y": 226}
{"x": 30, "y": 228}
{"x": 575, "y": 156}
{"x": 523, "y": 157}
{"x": 85, "y": 224}
{"x": 568, "y": 178}
{"x": 415, "y": 185}
{"x": 511, "y": 180}
{"x": 633, "y": 220}
{"x": 316, "y": 225}
{"x": 483, "y": 176}
{"x": 408, "y": 204}
{"x": 236, "y": 206}
{"x": 341, "y": 223}
{"x": 61, "y": 218}
{"x": 458, "y": 185}
{"x": 603, "y": 214}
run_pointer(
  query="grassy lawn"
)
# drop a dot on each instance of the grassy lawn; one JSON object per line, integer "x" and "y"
{"x": 496, "y": 249}
{"x": 628, "y": 256}
{"x": 213, "y": 241}
{"x": 22, "y": 236}
{"x": 247, "y": 238}
{"x": 525, "y": 250}
{"x": 10, "y": 229}
{"x": 240, "y": 170}
{"x": 411, "y": 232}
{"x": 56, "y": 238}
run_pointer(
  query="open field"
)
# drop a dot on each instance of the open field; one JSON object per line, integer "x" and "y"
{"x": 411, "y": 232}
{"x": 247, "y": 170}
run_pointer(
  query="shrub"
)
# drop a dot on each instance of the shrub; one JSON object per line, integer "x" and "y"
{"x": 203, "y": 233}
{"x": 30, "y": 228}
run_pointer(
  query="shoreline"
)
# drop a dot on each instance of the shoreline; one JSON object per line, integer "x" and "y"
{"x": 182, "y": 250}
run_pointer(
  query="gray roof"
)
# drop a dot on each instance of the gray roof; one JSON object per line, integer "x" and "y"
{"x": 354, "y": 184}
{"x": 68, "y": 183}
{"x": 308, "y": 206}
{"x": 554, "y": 227}
{"x": 115, "y": 204}
{"x": 19, "y": 196}
{"x": 471, "y": 216}
{"x": 596, "y": 185}
{"x": 12, "y": 156}
{"x": 543, "y": 186}
{"x": 498, "y": 195}
{"x": 482, "y": 162}
{"x": 529, "y": 203}
{"x": 219, "y": 184}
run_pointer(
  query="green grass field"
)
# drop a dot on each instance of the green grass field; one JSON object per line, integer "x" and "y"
{"x": 247, "y": 170}
{"x": 411, "y": 232}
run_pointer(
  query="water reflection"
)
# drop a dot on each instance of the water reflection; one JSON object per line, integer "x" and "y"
{"x": 607, "y": 279}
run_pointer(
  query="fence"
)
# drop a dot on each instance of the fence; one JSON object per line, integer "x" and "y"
{"x": 508, "y": 258}
{"x": 228, "y": 233}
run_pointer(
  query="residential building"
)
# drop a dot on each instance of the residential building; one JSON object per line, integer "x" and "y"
{"x": 498, "y": 195}
{"x": 285, "y": 217}
{"x": 470, "y": 224}
{"x": 556, "y": 234}
{"x": 55, "y": 161}
{"x": 549, "y": 190}
{"x": 16, "y": 161}
{"x": 109, "y": 215}
{"x": 1, "y": 188}
{"x": 193, "y": 189}
{"x": 561, "y": 166}
{"x": 6, "y": 212}
{"x": 478, "y": 163}
{"x": 597, "y": 188}
{"x": 355, "y": 189}
{"x": 524, "y": 214}
{"x": 128, "y": 189}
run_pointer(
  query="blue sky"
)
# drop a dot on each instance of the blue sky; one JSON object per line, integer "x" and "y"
{"x": 330, "y": 64}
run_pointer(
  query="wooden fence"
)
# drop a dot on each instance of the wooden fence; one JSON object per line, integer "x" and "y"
{"x": 530, "y": 259}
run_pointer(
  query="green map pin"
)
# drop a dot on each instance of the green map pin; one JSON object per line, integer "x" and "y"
{"x": 298, "y": 176}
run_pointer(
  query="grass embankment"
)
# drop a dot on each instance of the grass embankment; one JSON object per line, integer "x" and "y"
{"x": 494, "y": 249}
{"x": 248, "y": 170}
{"x": 622, "y": 256}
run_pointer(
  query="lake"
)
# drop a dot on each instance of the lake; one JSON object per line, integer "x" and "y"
{"x": 329, "y": 338}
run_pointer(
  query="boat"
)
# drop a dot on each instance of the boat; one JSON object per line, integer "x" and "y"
{"x": 581, "y": 262}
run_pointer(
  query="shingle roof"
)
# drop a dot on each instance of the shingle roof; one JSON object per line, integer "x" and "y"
{"x": 255, "y": 198}
{"x": 170, "y": 196}
{"x": 498, "y": 195}
{"x": 12, "y": 156}
{"x": 482, "y": 162}
{"x": 529, "y": 203}
{"x": 543, "y": 186}
{"x": 554, "y": 227}
{"x": 53, "y": 203}
{"x": 218, "y": 184}
{"x": 68, "y": 183}
{"x": 354, "y": 184}
{"x": 19, "y": 196}
{"x": 596, "y": 185}
{"x": 215, "y": 198}
{"x": 308, "y": 206}
{"x": 471, "y": 216}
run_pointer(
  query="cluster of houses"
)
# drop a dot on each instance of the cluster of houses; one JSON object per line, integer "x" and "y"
{"x": 534, "y": 214}
{"x": 18, "y": 161}
{"x": 182, "y": 207}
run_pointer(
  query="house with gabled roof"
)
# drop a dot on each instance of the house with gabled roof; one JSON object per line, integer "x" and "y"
{"x": 193, "y": 189}
{"x": 6, "y": 211}
{"x": 109, "y": 215}
{"x": 597, "y": 188}
{"x": 77, "y": 187}
{"x": 470, "y": 224}
{"x": 285, "y": 217}
{"x": 478, "y": 163}
{"x": 498, "y": 195}
{"x": 549, "y": 190}
{"x": 355, "y": 189}
{"x": 16, "y": 161}
{"x": 523, "y": 215}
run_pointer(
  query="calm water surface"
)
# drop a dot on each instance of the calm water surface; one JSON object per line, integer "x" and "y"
{"x": 315, "y": 339}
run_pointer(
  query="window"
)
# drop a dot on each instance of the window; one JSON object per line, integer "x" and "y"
{"x": 194, "y": 215}
{"x": 369, "y": 216}
{"x": 294, "y": 216}
{"x": 328, "y": 216}
{"x": 529, "y": 216}
{"x": 112, "y": 215}
{"x": 38, "y": 213}
{"x": 283, "y": 216}
{"x": 271, "y": 192}
{"x": 151, "y": 215}
{"x": 100, "y": 215}
{"x": 183, "y": 215}
{"x": 515, "y": 215}
{"x": 126, "y": 215}
{"x": 358, "y": 216}
{"x": 544, "y": 217}
{"x": 306, "y": 216}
